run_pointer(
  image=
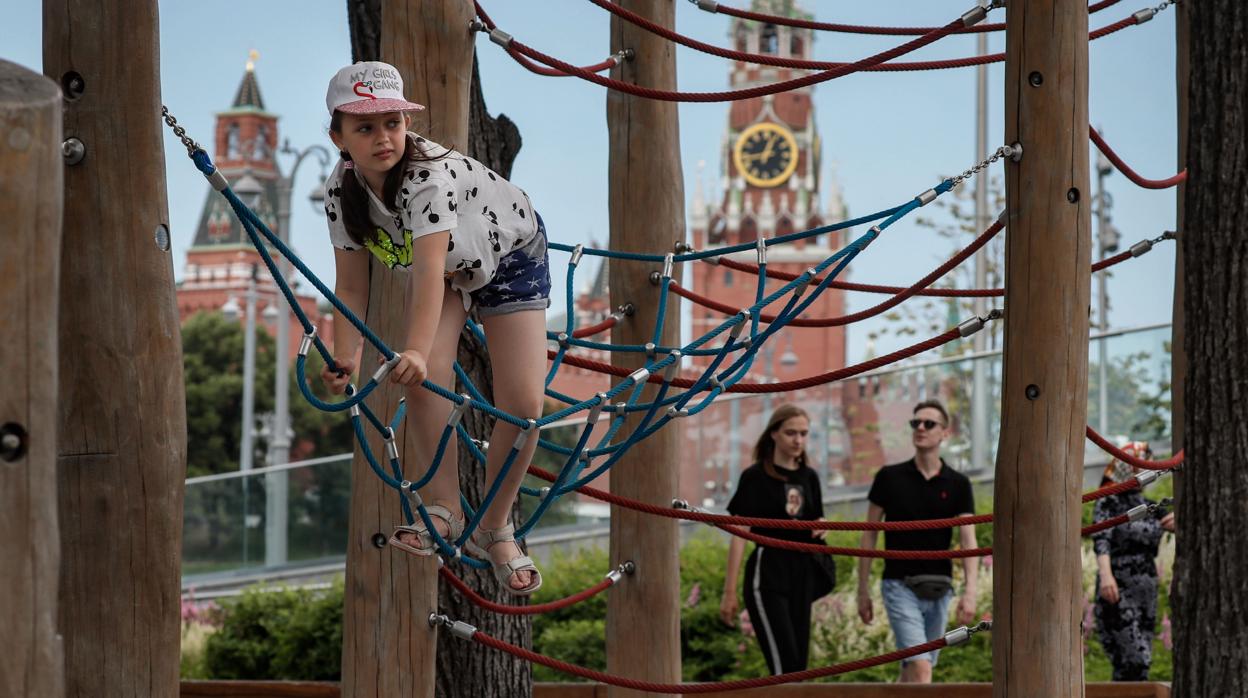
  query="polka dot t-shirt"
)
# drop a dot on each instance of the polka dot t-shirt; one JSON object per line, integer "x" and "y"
{"x": 487, "y": 216}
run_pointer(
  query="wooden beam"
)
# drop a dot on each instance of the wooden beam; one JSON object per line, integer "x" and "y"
{"x": 295, "y": 689}
{"x": 122, "y": 427}
{"x": 1037, "y": 594}
{"x": 388, "y": 647}
{"x": 647, "y": 214}
{"x": 30, "y": 549}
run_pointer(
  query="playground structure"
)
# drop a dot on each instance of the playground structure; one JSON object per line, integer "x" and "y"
{"x": 392, "y": 597}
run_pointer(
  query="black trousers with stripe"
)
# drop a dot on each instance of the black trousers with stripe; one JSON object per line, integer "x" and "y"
{"x": 781, "y": 618}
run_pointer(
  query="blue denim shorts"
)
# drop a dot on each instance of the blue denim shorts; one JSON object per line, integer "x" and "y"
{"x": 914, "y": 620}
{"x": 522, "y": 280}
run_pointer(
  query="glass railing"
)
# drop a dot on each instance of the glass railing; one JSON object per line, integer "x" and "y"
{"x": 297, "y": 516}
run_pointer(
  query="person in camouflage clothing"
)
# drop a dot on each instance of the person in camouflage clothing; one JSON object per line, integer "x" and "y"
{"x": 1126, "y": 580}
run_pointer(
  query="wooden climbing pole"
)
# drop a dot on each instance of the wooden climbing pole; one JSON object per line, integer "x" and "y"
{"x": 647, "y": 215}
{"x": 30, "y": 550}
{"x": 389, "y": 649}
{"x": 1037, "y": 591}
{"x": 121, "y": 445}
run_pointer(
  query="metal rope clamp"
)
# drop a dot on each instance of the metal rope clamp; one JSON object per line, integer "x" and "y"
{"x": 306, "y": 343}
{"x": 457, "y": 412}
{"x": 651, "y": 350}
{"x": 974, "y": 16}
{"x": 392, "y": 448}
{"x": 673, "y": 413}
{"x": 412, "y": 495}
{"x": 563, "y": 340}
{"x": 673, "y": 368}
{"x": 668, "y": 260}
{"x": 1148, "y": 477}
{"x": 523, "y": 437}
{"x": 961, "y": 635}
{"x": 640, "y": 375}
{"x": 596, "y": 410}
{"x": 500, "y": 37}
{"x": 577, "y": 252}
{"x": 385, "y": 369}
{"x": 761, "y": 247}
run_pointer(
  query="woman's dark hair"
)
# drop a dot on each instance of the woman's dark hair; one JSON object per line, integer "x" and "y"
{"x": 765, "y": 447}
{"x": 355, "y": 200}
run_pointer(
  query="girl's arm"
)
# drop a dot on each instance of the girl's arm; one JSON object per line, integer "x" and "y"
{"x": 425, "y": 288}
{"x": 351, "y": 287}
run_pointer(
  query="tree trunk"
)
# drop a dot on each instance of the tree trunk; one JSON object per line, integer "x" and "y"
{"x": 1211, "y": 609}
{"x": 463, "y": 671}
{"x": 466, "y": 671}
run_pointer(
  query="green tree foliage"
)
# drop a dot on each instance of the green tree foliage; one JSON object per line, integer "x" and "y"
{"x": 212, "y": 360}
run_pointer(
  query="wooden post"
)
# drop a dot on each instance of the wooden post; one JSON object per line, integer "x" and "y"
{"x": 388, "y": 647}
{"x": 1178, "y": 354}
{"x": 122, "y": 428}
{"x": 647, "y": 214}
{"x": 1037, "y": 594}
{"x": 30, "y": 552}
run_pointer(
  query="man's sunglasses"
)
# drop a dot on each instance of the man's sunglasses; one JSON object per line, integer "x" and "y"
{"x": 928, "y": 424}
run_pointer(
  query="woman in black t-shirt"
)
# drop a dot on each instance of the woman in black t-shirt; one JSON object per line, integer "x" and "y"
{"x": 780, "y": 585}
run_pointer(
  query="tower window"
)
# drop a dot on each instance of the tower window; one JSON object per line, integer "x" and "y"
{"x": 769, "y": 42}
{"x": 742, "y": 38}
{"x": 796, "y": 47}
{"x": 727, "y": 277}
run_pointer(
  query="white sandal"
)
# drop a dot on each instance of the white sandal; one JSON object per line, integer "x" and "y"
{"x": 425, "y": 545}
{"x": 483, "y": 539}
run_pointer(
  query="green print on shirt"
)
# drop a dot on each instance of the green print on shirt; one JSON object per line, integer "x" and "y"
{"x": 388, "y": 253}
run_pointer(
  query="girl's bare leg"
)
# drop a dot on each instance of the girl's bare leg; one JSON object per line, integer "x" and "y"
{"x": 427, "y": 414}
{"x": 517, "y": 344}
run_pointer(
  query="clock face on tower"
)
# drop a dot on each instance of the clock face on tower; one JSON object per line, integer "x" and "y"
{"x": 765, "y": 154}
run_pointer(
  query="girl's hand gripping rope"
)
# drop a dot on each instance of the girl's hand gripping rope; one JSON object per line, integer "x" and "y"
{"x": 410, "y": 370}
{"x": 337, "y": 381}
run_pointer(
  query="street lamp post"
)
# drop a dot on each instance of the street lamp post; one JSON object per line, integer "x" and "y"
{"x": 1107, "y": 239}
{"x": 276, "y": 483}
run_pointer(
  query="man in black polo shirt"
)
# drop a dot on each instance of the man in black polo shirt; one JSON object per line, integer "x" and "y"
{"x": 917, "y": 593}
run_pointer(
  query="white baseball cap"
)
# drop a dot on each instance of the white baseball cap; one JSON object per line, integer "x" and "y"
{"x": 368, "y": 87}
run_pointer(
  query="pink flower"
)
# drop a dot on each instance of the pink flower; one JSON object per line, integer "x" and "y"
{"x": 1167, "y": 640}
{"x": 741, "y": 648}
{"x": 695, "y": 595}
{"x": 986, "y": 561}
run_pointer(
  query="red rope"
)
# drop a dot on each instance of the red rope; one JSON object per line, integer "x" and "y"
{"x": 851, "y": 286}
{"x": 555, "y": 73}
{"x": 872, "y": 288}
{"x": 591, "y": 330}
{"x": 862, "y": 314}
{"x": 1168, "y": 464}
{"x": 1130, "y": 173}
{"x": 881, "y": 62}
{"x": 529, "y": 610}
{"x": 703, "y": 687}
{"x": 861, "y": 29}
{"x": 793, "y": 524}
{"x": 1107, "y": 523}
{"x": 784, "y": 386}
{"x": 765, "y": 59}
{"x": 759, "y": 91}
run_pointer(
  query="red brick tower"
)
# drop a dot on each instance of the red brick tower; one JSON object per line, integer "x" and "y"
{"x": 770, "y": 174}
{"x": 220, "y": 260}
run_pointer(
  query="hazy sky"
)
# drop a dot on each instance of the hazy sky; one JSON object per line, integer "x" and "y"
{"x": 888, "y": 135}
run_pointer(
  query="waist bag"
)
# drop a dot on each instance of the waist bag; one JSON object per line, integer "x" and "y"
{"x": 929, "y": 587}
